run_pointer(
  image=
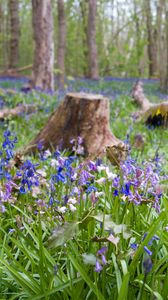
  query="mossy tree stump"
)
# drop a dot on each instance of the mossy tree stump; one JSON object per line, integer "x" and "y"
{"x": 84, "y": 115}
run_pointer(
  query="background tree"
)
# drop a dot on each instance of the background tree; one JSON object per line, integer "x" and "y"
{"x": 92, "y": 47}
{"x": 14, "y": 33}
{"x": 61, "y": 42}
{"x": 43, "y": 76}
{"x": 151, "y": 38}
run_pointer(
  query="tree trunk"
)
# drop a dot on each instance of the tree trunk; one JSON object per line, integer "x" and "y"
{"x": 151, "y": 42}
{"x": 61, "y": 42}
{"x": 83, "y": 115}
{"x": 137, "y": 38}
{"x": 14, "y": 33}
{"x": 161, "y": 43}
{"x": 43, "y": 75}
{"x": 164, "y": 82}
{"x": 166, "y": 85}
{"x": 84, "y": 16}
{"x": 92, "y": 47}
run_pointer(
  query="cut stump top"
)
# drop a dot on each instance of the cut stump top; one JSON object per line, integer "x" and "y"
{"x": 86, "y": 96}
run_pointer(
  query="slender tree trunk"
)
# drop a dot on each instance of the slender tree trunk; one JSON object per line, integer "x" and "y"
{"x": 43, "y": 65}
{"x": 84, "y": 15}
{"x": 14, "y": 33}
{"x": 1, "y": 18}
{"x": 92, "y": 48}
{"x": 137, "y": 38}
{"x": 162, "y": 39}
{"x": 165, "y": 86}
{"x": 61, "y": 42}
{"x": 151, "y": 42}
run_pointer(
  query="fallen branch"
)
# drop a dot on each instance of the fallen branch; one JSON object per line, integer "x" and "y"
{"x": 15, "y": 72}
{"x": 13, "y": 112}
{"x": 150, "y": 113}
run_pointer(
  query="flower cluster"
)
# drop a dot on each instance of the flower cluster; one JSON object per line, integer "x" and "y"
{"x": 28, "y": 175}
{"x": 138, "y": 184}
{"x": 6, "y": 153}
{"x": 101, "y": 259}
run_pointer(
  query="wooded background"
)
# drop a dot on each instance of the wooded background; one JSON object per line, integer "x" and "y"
{"x": 119, "y": 38}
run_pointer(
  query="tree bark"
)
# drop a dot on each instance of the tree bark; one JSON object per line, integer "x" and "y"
{"x": 61, "y": 42}
{"x": 152, "y": 45}
{"x": 43, "y": 65}
{"x": 14, "y": 33}
{"x": 161, "y": 43}
{"x": 84, "y": 16}
{"x": 92, "y": 47}
{"x": 83, "y": 115}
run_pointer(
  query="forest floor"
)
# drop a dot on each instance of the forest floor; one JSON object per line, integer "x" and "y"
{"x": 78, "y": 231}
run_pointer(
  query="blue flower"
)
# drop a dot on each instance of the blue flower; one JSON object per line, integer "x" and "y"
{"x": 98, "y": 267}
{"x": 147, "y": 251}
{"x": 115, "y": 193}
{"x": 22, "y": 190}
{"x": 147, "y": 265}
{"x": 90, "y": 189}
{"x": 134, "y": 246}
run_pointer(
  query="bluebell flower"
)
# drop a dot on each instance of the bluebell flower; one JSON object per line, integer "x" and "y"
{"x": 147, "y": 265}
{"x": 22, "y": 190}
{"x": 98, "y": 267}
{"x": 115, "y": 193}
{"x": 90, "y": 189}
{"x": 147, "y": 251}
{"x": 134, "y": 246}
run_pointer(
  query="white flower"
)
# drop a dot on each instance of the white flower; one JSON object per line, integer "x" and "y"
{"x": 72, "y": 207}
{"x": 72, "y": 200}
{"x": 75, "y": 190}
{"x": 110, "y": 175}
{"x": 54, "y": 163}
{"x": 74, "y": 176}
{"x": 101, "y": 180}
{"x": 42, "y": 172}
{"x": 98, "y": 194}
{"x": 100, "y": 168}
{"x": 47, "y": 153}
{"x": 62, "y": 209}
{"x": 35, "y": 191}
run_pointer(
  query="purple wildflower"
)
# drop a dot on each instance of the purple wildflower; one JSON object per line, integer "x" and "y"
{"x": 98, "y": 267}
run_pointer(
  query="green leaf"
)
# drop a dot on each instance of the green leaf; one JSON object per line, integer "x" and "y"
{"x": 62, "y": 234}
{"x": 110, "y": 225}
{"x": 122, "y": 295}
{"x": 85, "y": 277}
{"x": 151, "y": 231}
{"x": 89, "y": 259}
{"x": 117, "y": 271}
{"x": 156, "y": 294}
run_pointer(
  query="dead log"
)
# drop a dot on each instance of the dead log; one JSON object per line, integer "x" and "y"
{"x": 13, "y": 112}
{"x": 149, "y": 113}
{"x": 84, "y": 115}
{"x": 15, "y": 72}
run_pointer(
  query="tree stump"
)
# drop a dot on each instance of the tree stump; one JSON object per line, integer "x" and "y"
{"x": 150, "y": 113}
{"x": 84, "y": 115}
